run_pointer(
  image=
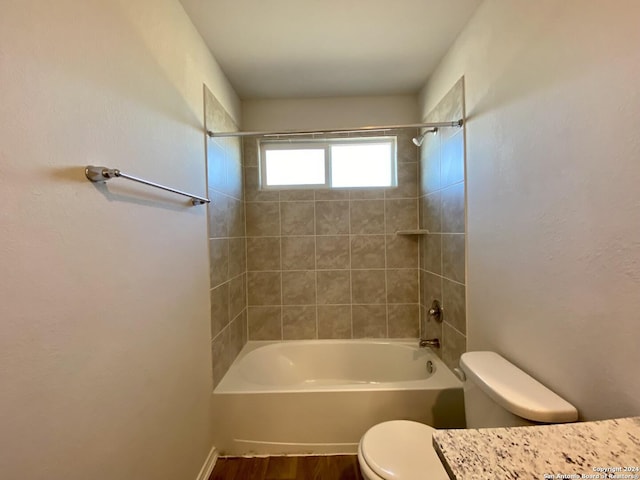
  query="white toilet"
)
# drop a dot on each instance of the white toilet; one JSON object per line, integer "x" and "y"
{"x": 496, "y": 394}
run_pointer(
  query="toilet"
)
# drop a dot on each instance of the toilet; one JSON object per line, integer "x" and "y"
{"x": 496, "y": 394}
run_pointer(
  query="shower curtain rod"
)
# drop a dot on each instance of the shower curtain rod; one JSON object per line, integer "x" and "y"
{"x": 276, "y": 133}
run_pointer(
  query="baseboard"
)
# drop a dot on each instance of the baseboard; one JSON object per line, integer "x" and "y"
{"x": 209, "y": 463}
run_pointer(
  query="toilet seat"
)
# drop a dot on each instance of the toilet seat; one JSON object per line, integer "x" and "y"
{"x": 401, "y": 450}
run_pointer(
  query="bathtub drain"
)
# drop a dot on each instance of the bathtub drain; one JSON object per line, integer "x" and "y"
{"x": 429, "y": 366}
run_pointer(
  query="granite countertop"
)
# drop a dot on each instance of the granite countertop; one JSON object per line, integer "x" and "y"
{"x": 602, "y": 449}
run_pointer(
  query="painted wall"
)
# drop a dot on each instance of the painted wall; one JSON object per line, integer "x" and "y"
{"x": 105, "y": 360}
{"x": 327, "y": 263}
{"x": 553, "y": 201}
{"x": 330, "y": 112}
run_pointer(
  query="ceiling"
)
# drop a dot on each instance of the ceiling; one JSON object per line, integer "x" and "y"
{"x": 319, "y": 48}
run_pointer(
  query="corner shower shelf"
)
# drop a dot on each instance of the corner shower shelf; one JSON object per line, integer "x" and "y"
{"x": 418, "y": 231}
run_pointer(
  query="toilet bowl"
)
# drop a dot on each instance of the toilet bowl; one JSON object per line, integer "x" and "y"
{"x": 496, "y": 394}
{"x": 399, "y": 449}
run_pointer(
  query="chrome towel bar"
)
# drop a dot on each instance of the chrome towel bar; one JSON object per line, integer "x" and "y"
{"x": 102, "y": 174}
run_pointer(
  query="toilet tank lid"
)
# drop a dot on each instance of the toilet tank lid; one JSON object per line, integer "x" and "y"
{"x": 514, "y": 390}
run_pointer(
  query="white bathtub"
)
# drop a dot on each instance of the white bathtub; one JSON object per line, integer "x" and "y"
{"x": 320, "y": 396}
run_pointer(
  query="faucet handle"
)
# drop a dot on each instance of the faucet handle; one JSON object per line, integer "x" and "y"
{"x": 429, "y": 342}
{"x": 435, "y": 311}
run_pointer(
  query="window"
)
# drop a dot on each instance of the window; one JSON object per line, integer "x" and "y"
{"x": 328, "y": 163}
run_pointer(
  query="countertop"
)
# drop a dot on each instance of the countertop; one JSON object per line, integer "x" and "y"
{"x": 601, "y": 449}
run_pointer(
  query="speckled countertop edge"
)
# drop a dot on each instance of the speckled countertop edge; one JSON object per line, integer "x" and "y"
{"x": 533, "y": 452}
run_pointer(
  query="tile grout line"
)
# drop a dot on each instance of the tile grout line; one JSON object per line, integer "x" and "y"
{"x": 350, "y": 271}
{"x": 246, "y": 249}
{"x": 386, "y": 283}
{"x": 281, "y": 281}
{"x": 332, "y": 200}
{"x": 315, "y": 264}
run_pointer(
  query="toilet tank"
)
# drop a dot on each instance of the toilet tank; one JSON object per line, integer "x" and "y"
{"x": 499, "y": 394}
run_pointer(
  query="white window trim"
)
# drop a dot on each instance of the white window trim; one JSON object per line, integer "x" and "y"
{"x": 326, "y": 143}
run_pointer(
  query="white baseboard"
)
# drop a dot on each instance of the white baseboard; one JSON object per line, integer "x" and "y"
{"x": 209, "y": 463}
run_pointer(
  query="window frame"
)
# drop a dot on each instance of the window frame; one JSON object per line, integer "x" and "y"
{"x": 325, "y": 144}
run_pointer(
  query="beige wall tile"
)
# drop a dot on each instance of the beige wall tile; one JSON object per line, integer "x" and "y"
{"x": 430, "y": 164}
{"x": 298, "y": 253}
{"x": 442, "y": 212}
{"x": 368, "y": 286}
{"x": 367, "y": 193}
{"x": 333, "y": 287}
{"x": 407, "y": 151}
{"x": 217, "y": 213}
{"x": 334, "y": 321}
{"x": 449, "y": 108}
{"x": 263, "y": 219}
{"x": 402, "y": 286}
{"x": 367, "y": 217}
{"x": 219, "y": 308}
{"x": 216, "y": 169}
{"x": 218, "y": 261}
{"x": 250, "y": 151}
{"x": 299, "y": 323}
{"x": 265, "y": 323}
{"x": 369, "y": 321}
{"x": 453, "y": 257}
{"x": 297, "y": 194}
{"x": 219, "y": 355}
{"x": 237, "y": 256}
{"x": 237, "y": 296}
{"x": 454, "y": 305}
{"x": 322, "y": 240}
{"x": 226, "y": 227}
{"x": 453, "y": 209}
{"x": 407, "y": 182}
{"x": 368, "y": 251}
{"x": 234, "y": 183}
{"x": 299, "y": 288}
{"x": 431, "y": 212}
{"x": 401, "y": 215}
{"x": 431, "y": 288}
{"x": 331, "y": 194}
{"x": 432, "y": 253}
{"x": 402, "y": 251}
{"x": 236, "y": 217}
{"x": 243, "y": 324}
{"x": 297, "y": 218}
{"x": 454, "y": 344}
{"x": 452, "y": 167}
{"x": 332, "y": 217}
{"x": 264, "y": 288}
{"x": 403, "y": 320}
{"x": 252, "y": 189}
{"x": 332, "y": 252}
{"x": 263, "y": 253}
{"x": 237, "y": 337}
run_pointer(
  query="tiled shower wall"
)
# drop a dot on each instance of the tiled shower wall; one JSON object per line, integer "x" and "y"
{"x": 227, "y": 245}
{"x": 442, "y": 212}
{"x": 327, "y": 263}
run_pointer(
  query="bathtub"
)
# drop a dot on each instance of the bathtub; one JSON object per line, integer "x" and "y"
{"x": 320, "y": 396}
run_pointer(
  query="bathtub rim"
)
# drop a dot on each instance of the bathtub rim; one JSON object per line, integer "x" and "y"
{"x": 443, "y": 377}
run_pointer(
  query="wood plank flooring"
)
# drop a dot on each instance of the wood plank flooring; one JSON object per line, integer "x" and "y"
{"x": 334, "y": 467}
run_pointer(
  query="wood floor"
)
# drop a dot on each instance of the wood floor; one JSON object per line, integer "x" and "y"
{"x": 334, "y": 467}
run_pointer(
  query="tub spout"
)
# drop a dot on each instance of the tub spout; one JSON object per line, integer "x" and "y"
{"x": 429, "y": 342}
